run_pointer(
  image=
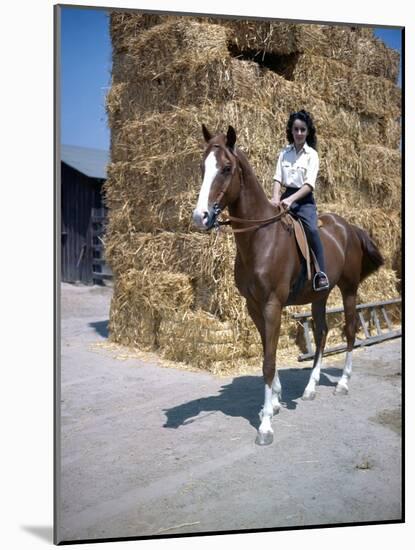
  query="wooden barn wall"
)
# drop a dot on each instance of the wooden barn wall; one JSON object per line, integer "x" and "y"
{"x": 79, "y": 195}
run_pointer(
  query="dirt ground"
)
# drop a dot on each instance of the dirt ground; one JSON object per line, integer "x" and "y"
{"x": 148, "y": 450}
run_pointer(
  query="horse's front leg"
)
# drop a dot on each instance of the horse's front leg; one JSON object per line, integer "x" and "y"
{"x": 272, "y": 323}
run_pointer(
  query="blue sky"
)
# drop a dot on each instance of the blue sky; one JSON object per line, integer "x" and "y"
{"x": 86, "y": 75}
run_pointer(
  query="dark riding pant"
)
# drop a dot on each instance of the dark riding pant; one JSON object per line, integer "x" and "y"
{"x": 305, "y": 209}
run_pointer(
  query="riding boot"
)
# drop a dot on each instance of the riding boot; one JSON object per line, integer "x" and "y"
{"x": 320, "y": 280}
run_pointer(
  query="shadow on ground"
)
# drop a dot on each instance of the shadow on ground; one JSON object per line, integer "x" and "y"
{"x": 101, "y": 327}
{"x": 243, "y": 397}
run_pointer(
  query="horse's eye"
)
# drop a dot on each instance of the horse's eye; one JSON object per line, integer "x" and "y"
{"x": 226, "y": 169}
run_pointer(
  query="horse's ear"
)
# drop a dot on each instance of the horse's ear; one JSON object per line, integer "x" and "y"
{"x": 207, "y": 135}
{"x": 231, "y": 138}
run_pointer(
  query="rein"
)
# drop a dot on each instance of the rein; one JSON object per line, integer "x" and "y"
{"x": 229, "y": 219}
{"x": 258, "y": 223}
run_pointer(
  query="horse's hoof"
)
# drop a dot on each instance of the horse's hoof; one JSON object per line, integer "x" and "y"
{"x": 341, "y": 390}
{"x": 276, "y": 408}
{"x": 309, "y": 396}
{"x": 264, "y": 438}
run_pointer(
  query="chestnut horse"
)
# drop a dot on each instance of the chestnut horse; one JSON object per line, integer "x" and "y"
{"x": 268, "y": 267}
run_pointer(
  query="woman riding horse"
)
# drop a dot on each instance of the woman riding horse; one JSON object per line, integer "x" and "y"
{"x": 268, "y": 264}
{"x": 296, "y": 172}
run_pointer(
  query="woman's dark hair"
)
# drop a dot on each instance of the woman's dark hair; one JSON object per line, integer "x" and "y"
{"x": 305, "y": 117}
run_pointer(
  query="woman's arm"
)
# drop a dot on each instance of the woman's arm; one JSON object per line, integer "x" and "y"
{"x": 302, "y": 192}
{"x": 276, "y": 194}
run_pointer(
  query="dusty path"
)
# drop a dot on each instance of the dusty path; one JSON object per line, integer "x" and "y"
{"x": 148, "y": 450}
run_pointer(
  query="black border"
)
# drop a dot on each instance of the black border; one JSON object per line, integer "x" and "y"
{"x": 57, "y": 279}
{"x": 236, "y": 532}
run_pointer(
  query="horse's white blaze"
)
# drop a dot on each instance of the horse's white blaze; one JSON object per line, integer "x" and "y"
{"x": 211, "y": 169}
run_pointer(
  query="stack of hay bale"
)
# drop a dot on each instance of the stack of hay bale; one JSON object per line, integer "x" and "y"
{"x": 174, "y": 289}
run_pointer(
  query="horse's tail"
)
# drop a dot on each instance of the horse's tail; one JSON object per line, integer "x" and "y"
{"x": 372, "y": 259}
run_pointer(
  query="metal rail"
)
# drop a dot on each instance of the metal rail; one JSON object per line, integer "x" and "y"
{"x": 369, "y": 339}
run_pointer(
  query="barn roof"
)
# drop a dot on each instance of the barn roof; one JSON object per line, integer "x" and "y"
{"x": 91, "y": 162}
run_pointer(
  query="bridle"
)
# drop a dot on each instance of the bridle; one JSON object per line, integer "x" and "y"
{"x": 217, "y": 210}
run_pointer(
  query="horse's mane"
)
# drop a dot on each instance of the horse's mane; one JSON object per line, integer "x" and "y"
{"x": 247, "y": 169}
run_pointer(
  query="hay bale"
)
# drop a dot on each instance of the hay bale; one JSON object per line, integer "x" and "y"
{"x": 380, "y": 130}
{"x": 368, "y": 175}
{"x": 130, "y": 323}
{"x": 203, "y": 259}
{"x": 276, "y": 37}
{"x": 197, "y": 338}
{"x": 381, "y": 174}
{"x": 175, "y": 45}
{"x": 344, "y": 86}
{"x": 127, "y": 26}
{"x": 139, "y": 300}
{"x": 373, "y": 57}
{"x": 149, "y": 202}
{"x": 340, "y": 169}
{"x": 358, "y": 48}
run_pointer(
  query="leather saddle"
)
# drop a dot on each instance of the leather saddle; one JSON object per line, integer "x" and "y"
{"x": 303, "y": 245}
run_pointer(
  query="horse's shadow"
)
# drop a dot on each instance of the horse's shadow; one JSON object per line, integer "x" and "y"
{"x": 243, "y": 397}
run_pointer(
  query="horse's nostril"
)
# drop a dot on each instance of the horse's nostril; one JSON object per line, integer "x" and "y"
{"x": 200, "y": 218}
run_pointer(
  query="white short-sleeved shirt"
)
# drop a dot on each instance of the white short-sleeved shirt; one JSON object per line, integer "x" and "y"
{"x": 296, "y": 169}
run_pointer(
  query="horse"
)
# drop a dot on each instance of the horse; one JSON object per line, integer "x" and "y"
{"x": 268, "y": 265}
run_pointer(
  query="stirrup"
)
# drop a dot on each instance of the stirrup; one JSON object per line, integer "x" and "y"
{"x": 315, "y": 279}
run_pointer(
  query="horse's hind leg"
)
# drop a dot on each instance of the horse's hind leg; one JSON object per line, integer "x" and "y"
{"x": 318, "y": 310}
{"x": 349, "y": 303}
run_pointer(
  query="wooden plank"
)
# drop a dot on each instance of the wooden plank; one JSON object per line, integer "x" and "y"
{"x": 364, "y": 324}
{"x": 359, "y": 343}
{"x": 374, "y": 317}
{"x": 306, "y": 328}
{"x": 386, "y": 317}
{"x": 358, "y": 307}
{"x": 101, "y": 275}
